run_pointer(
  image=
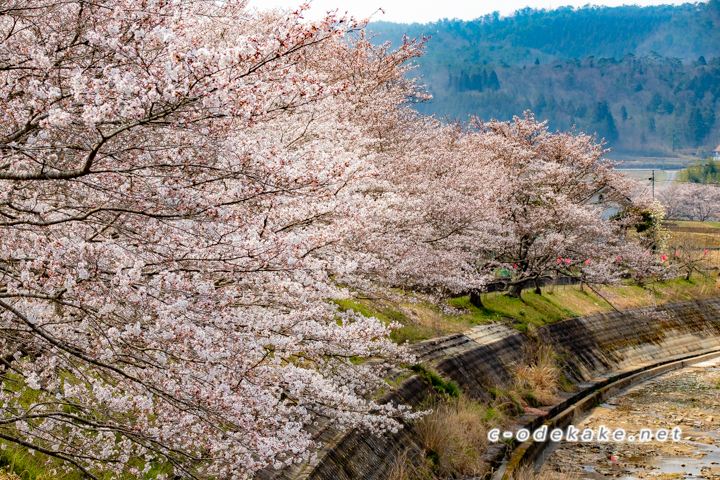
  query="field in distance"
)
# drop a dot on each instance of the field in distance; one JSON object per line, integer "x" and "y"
{"x": 662, "y": 177}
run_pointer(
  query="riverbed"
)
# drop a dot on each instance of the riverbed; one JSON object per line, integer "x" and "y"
{"x": 688, "y": 398}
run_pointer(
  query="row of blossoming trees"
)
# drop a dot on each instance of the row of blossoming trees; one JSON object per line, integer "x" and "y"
{"x": 184, "y": 186}
{"x": 693, "y": 201}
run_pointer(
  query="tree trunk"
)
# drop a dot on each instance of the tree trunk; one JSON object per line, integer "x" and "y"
{"x": 476, "y": 299}
{"x": 515, "y": 291}
{"x": 537, "y": 287}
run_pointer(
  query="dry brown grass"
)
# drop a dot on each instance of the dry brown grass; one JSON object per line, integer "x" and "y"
{"x": 528, "y": 473}
{"x": 538, "y": 381}
{"x": 7, "y": 475}
{"x": 405, "y": 469}
{"x": 455, "y": 437}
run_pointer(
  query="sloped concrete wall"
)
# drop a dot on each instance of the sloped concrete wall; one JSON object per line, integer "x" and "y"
{"x": 360, "y": 455}
{"x": 600, "y": 344}
{"x": 592, "y": 348}
{"x": 488, "y": 365}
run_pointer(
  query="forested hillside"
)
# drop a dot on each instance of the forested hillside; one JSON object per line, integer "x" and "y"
{"x": 645, "y": 78}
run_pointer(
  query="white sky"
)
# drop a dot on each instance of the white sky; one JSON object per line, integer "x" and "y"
{"x": 424, "y": 11}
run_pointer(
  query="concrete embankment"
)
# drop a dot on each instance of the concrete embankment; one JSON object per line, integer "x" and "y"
{"x": 594, "y": 350}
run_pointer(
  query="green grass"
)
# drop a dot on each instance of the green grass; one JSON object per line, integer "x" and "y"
{"x": 35, "y": 466}
{"x": 413, "y": 333}
{"x": 492, "y": 414}
{"x": 427, "y": 321}
{"x": 38, "y": 466}
{"x": 532, "y": 309}
{"x": 694, "y": 224}
{"x": 410, "y": 331}
{"x": 439, "y": 385}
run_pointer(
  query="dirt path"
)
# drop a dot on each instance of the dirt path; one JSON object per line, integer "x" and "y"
{"x": 687, "y": 398}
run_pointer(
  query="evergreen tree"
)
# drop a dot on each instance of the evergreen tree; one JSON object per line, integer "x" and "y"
{"x": 476, "y": 83}
{"x": 696, "y": 126}
{"x": 611, "y": 132}
{"x": 464, "y": 81}
{"x": 605, "y": 122}
{"x": 619, "y": 76}
{"x": 708, "y": 119}
{"x": 666, "y": 107}
{"x": 655, "y": 103}
{"x": 493, "y": 82}
{"x": 602, "y": 110}
{"x": 540, "y": 103}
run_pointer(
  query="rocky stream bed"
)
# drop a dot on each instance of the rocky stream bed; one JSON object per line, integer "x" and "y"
{"x": 688, "y": 398}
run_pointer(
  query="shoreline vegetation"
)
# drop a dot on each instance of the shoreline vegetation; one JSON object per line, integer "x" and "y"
{"x": 454, "y": 434}
{"x": 461, "y": 449}
{"x": 423, "y": 317}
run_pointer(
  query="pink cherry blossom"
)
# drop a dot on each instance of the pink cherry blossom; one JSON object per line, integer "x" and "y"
{"x": 691, "y": 201}
{"x": 188, "y": 186}
{"x": 175, "y": 175}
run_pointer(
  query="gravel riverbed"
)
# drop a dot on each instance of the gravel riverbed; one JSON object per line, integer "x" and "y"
{"x": 688, "y": 398}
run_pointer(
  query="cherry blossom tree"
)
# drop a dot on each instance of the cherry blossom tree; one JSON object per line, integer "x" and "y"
{"x": 690, "y": 253}
{"x": 672, "y": 199}
{"x": 511, "y": 195}
{"x": 427, "y": 231}
{"x": 174, "y": 177}
{"x": 561, "y": 208}
{"x": 464, "y": 201}
{"x": 691, "y": 201}
{"x": 184, "y": 186}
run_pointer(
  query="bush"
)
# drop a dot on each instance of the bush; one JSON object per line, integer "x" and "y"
{"x": 454, "y": 436}
{"x": 538, "y": 382}
{"x": 506, "y": 402}
{"x": 405, "y": 469}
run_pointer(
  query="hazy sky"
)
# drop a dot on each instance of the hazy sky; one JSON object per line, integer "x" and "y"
{"x": 423, "y": 11}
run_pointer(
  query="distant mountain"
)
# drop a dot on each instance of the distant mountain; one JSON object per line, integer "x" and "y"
{"x": 645, "y": 78}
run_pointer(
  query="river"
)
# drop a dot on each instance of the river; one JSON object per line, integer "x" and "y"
{"x": 688, "y": 398}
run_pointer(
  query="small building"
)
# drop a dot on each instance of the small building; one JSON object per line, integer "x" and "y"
{"x": 716, "y": 154}
{"x": 606, "y": 198}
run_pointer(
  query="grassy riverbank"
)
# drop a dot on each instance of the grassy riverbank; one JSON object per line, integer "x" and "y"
{"x": 423, "y": 318}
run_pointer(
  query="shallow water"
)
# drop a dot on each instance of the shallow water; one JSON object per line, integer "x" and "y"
{"x": 688, "y": 398}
